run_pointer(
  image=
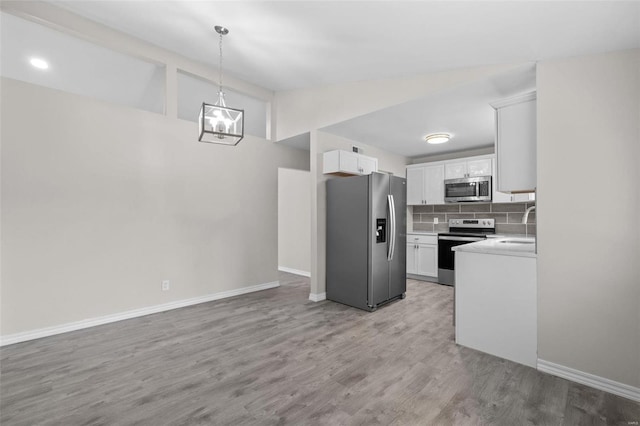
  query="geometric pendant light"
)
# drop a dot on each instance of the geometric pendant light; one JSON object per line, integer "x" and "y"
{"x": 218, "y": 123}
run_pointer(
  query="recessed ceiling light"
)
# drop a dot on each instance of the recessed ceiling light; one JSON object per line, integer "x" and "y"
{"x": 438, "y": 138}
{"x": 39, "y": 63}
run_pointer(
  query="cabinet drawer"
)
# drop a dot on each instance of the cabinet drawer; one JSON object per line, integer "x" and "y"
{"x": 422, "y": 239}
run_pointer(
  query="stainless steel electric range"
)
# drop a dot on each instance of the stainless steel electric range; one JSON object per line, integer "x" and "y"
{"x": 461, "y": 231}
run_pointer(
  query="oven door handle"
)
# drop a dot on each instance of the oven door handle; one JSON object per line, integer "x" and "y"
{"x": 460, "y": 239}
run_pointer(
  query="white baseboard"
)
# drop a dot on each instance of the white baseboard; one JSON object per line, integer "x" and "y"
{"x": 317, "y": 297}
{"x": 423, "y": 278}
{"x": 597, "y": 382}
{"x": 92, "y": 322}
{"x": 294, "y": 271}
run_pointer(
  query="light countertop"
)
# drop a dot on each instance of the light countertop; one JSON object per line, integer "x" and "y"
{"x": 495, "y": 236}
{"x": 506, "y": 246}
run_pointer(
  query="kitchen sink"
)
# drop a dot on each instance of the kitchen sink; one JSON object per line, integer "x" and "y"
{"x": 516, "y": 242}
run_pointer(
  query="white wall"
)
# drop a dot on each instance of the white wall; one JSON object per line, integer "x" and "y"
{"x": 100, "y": 203}
{"x": 588, "y": 175}
{"x": 294, "y": 220}
{"x": 453, "y": 155}
{"x": 320, "y": 143}
{"x": 303, "y": 110}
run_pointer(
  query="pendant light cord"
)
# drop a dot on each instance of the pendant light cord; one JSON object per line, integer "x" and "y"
{"x": 220, "y": 64}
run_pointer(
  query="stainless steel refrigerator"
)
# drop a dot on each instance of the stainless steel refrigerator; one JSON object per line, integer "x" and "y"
{"x": 366, "y": 240}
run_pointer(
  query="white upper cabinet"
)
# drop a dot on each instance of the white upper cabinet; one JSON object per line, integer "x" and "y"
{"x": 434, "y": 184}
{"x": 348, "y": 163}
{"x": 367, "y": 165}
{"x": 425, "y": 182}
{"x": 455, "y": 170}
{"x": 467, "y": 168}
{"x": 503, "y": 197}
{"x": 425, "y": 185}
{"x": 516, "y": 143}
{"x": 415, "y": 186}
{"x": 497, "y": 196}
{"x": 480, "y": 167}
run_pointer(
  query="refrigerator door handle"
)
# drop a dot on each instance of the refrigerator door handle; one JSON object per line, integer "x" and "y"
{"x": 392, "y": 226}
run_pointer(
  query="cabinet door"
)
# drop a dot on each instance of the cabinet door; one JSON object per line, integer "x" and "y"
{"x": 498, "y": 197}
{"x": 434, "y": 184}
{"x": 519, "y": 198}
{"x": 516, "y": 146}
{"x": 455, "y": 170}
{"x": 415, "y": 186}
{"x": 479, "y": 167}
{"x": 411, "y": 259}
{"x": 349, "y": 162}
{"x": 367, "y": 165}
{"x": 427, "y": 260}
{"x": 501, "y": 197}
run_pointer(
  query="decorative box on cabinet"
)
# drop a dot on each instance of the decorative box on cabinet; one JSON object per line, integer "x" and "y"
{"x": 516, "y": 143}
{"x": 348, "y": 163}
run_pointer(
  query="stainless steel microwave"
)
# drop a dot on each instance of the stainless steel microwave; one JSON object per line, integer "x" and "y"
{"x": 468, "y": 189}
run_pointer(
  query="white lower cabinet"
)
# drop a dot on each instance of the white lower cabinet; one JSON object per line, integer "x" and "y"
{"x": 412, "y": 258}
{"x": 422, "y": 255}
{"x": 496, "y": 305}
{"x": 427, "y": 260}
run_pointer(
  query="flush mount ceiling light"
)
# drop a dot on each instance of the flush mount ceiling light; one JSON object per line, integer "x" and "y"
{"x": 437, "y": 138}
{"x": 39, "y": 63}
{"x": 218, "y": 123}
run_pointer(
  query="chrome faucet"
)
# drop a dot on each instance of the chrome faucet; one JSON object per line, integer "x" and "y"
{"x": 525, "y": 218}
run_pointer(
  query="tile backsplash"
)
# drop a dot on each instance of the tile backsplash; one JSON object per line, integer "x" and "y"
{"x": 508, "y": 216}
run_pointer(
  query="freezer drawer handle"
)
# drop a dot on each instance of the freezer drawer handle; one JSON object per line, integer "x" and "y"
{"x": 392, "y": 227}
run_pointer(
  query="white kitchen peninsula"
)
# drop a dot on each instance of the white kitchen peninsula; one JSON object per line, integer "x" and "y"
{"x": 496, "y": 298}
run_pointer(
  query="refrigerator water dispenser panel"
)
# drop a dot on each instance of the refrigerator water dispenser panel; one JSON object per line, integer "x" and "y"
{"x": 381, "y": 231}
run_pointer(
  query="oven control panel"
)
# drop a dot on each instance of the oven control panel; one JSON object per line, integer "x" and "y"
{"x": 472, "y": 223}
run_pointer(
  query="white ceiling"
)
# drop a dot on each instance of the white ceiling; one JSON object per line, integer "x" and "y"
{"x": 287, "y": 45}
{"x": 464, "y": 112}
{"x": 292, "y": 44}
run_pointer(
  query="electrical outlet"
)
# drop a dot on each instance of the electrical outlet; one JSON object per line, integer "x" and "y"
{"x": 166, "y": 285}
{"x": 435, "y": 220}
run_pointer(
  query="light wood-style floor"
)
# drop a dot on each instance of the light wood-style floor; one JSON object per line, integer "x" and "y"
{"x": 273, "y": 357}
